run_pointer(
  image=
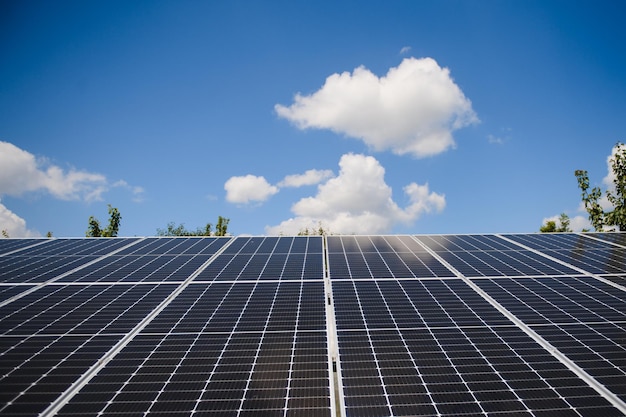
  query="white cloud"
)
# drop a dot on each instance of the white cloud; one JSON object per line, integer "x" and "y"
{"x": 576, "y": 223}
{"x": 310, "y": 177}
{"x": 359, "y": 201}
{"x": 137, "y": 192}
{"x": 21, "y": 172}
{"x": 495, "y": 139}
{"x": 413, "y": 109}
{"x": 610, "y": 176}
{"x": 248, "y": 188}
{"x": 405, "y": 50}
{"x": 13, "y": 224}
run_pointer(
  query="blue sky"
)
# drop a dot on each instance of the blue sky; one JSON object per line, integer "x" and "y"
{"x": 368, "y": 116}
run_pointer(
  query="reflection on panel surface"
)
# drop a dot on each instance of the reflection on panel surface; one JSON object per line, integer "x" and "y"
{"x": 447, "y": 325}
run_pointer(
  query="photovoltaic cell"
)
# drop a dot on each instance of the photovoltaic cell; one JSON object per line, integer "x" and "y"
{"x": 617, "y": 279}
{"x": 477, "y": 256}
{"x": 293, "y": 258}
{"x": 382, "y": 257}
{"x": 222, "y": 349}
{"x": 248, "y": 334}
{"x": 8, "y": 291}
{"x": 176, "y": 246}
{"x": 76, "y": 247}
{"x": 591, "y": 255}
{"x": 582, "y": 316}
{"x": 132, "y": 268}
{"x": 437, "y": 347}
{"x": 11, "y": 245}
{"x": 38, "y": 269}
{"x": 43, "y": 262}
{"x": 81, "y": 309}
{"x": 35, "y": 370}
{"x": 616, "y": 238}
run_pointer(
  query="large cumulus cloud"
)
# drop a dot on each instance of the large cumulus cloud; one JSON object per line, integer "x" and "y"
{"x": 413, "y": 109}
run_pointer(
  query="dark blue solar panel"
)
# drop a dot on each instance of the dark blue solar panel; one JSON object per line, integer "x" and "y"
{"x": 616, "y": 238}
{"x": 8, "y": 291}
{"x": 212, "y": 374}
{"x": 176, "y": 246}
{"x": 224, "y": 307}
{"x": 380, "y": 260}
{"x": 248, "y": 336}
{"x": 252, "y": 348}
{"x": 81, "y": 309}
{"x": 76, "y": 247}
{"x": 131, "y": 268}
{"x": 459, "y": 371}
{"x": 12, "y": 245}
{"x": 594, "y": 261}
{"x": 38, "y": 269}
{"x": 598, "y": 348}
{"x": 284, "y": 261}
{"x": 559, "y": 241}
{"x": 34, "y": 371}
{"x": 617, "y": 279}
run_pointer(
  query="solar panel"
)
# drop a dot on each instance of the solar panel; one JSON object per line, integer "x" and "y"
{"x": 447, "y": 325}
{"x": 424, "y": 346}
{"x": 12, "y": 245}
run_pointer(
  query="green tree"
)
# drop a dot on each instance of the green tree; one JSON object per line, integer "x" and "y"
{"x": 115, "y": 219}
{"x": 222, "y": 226}
{"x": 319, "y": 231}
{"x": 5, "y": 233}
{"x": 221, "y": 229}
{"x": 591, "y": 198}
{"x": 551, "y": 227}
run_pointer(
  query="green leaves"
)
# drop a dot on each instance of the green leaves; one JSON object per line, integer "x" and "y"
{"x": 115, "y": 219}
{"x": 172, "y": 230}
{"x": 598, "y": 217}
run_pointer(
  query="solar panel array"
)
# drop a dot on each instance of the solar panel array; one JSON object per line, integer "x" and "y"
{"x": 440, "y": 325}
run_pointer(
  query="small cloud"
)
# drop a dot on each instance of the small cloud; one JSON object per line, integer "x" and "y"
{"x": 576, "y": 223}
{"x": 137, "y": 192}
{"x": 248, "y": 188}
{"x": 413, "y": 109}
{"x": 21, "y": 172}
{"x": 500, "y": 139}
{"x": 359, "y": 201}
{"x": 13, "y": 224}
{"x": 609, "y": 180}
{"x": 495, "y": 139}
{"x": 310, "y": 177}
{"x": 405, "y": 50}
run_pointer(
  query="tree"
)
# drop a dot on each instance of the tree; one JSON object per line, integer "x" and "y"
{"x": 320, "y": 231}
{"x": 5, "y": 233}
{"x": 221, "y": 229}
{"x": 221, "y": 226}
{"x": 598, "y": 217}
{"x": 115, "y": 219}
{"x": 551, "y": 227}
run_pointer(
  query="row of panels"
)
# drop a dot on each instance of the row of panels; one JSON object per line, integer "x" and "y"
{"x": 240, "y": 326}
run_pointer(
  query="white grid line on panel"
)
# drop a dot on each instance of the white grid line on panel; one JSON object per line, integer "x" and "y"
{"x": 63, "y": 399}
{"x": 564, "y": 263}
{"x": 601, "y": 389}
{"x": 371, "y": 345}
{"x": 35, "y": 243}
{"x": 39, "y": 285}
{"x": 559, "y": 254}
